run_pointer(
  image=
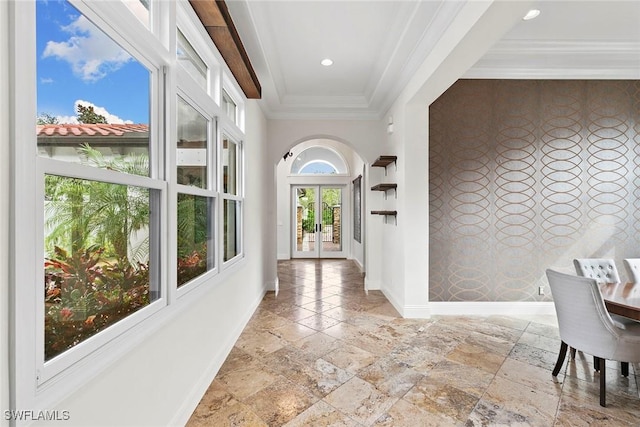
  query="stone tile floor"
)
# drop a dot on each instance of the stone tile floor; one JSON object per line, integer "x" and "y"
{"x": 325, "y": 353}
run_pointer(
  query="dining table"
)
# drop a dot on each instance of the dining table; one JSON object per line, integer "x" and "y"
{"x": 622, "y": 299}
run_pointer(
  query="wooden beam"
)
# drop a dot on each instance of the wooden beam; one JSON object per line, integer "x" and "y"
{"x": 216, "y": 19}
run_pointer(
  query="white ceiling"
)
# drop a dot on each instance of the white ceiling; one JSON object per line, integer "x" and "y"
{"x": 377, "y": 45}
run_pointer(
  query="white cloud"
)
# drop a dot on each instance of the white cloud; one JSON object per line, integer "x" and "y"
{"x": 46, "y": 80}
{"x": 111, "y": 118}
{"x": 67, "y": 120}
{"x": 91, "y": 54}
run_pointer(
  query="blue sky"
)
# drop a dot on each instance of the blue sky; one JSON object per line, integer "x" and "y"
{"x": 76, "y": 61}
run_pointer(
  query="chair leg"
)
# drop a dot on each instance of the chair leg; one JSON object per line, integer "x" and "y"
{"x": 603, "y": 382}
{"x": 624, "y": 367}
{"x": 596, "y": 364}
{"x": 573, "y": 353}
{"x": 560, "y": 361}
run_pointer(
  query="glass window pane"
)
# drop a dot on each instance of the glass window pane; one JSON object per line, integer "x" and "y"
{"x": 229, "y": 166}
{"x": 318, "y": 160}
{"x": 97, "y": 258}
{"x": 140, "y": 9}
{"x": 191, "y": 61}
{"x": 90, "y": 92}
{"x": 191, "y": 156}
{"x": 195, "y": 236}
{"x": 230, "y": 107}
{"x": 231, "y": 229}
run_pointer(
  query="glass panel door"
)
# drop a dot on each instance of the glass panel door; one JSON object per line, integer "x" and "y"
{"x": 317, "y": 225}
{"x": 331, "y": 223}
{"x": 305, "y": 226}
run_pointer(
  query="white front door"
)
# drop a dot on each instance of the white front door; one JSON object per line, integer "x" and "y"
{"x": 317, "y": 221}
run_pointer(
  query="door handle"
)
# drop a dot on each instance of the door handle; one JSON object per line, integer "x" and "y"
{"x": 321, "y": 228}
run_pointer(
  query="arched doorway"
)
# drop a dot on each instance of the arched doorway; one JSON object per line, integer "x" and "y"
{"x": 315, "y": 187}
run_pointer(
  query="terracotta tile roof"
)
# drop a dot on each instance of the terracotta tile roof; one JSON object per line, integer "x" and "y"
{"x": 90, "y": 129}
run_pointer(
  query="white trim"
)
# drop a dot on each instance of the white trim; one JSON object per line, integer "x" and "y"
{"x": 357, "y": 262}
{"x": 395, "y": 302}
{"x": 551, "y": 59}
{"x": 345, "y": 164}
{"x": 374, "y": 285}
{"x": 193, "y": 398}
{"x": 189, "y": 24}
{"x": 75, "y": 170}
{"x": 272, "y": 285}
{"x": 416, "y": 312}
{"x": 93, "y": 356}
{"x": 504, "y": 308}
{"x": 116, "y": 21}
{"x": 469, "y": 308}
{"x": 563, "y": 47}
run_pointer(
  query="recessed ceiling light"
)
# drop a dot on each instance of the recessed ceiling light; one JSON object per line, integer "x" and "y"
{"x": 533, "y": 13}
{"x": 326, "y": 62}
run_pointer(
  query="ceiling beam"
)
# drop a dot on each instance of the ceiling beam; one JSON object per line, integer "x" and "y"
{"x": 216, "y": 19}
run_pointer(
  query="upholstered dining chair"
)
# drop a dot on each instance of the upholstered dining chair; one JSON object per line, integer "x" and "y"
{"x": 604, "y": 270}
{"x": 632, "y": 265}
{"x": 584, "y": 323}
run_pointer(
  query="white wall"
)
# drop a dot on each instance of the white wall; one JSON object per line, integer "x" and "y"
{"x": 363, "y": 136}
{"x": 5, "y": 166}
{"x": 162, "y": 380}
{"x": 405, "y": 251}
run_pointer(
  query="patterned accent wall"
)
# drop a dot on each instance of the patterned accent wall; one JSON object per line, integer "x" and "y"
{"x": 528, "y": 174}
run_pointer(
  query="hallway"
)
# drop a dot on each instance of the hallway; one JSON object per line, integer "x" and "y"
{"x": 326, "y": 353}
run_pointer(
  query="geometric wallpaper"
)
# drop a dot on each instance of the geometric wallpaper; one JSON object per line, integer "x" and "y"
{"x": 529, "y": 174}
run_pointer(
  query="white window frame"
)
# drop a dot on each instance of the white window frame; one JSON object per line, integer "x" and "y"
{"x": 49, "y": 369}
{"x": 203, "y": 101}
{"x": 201, "y": 42}
{"x": 227, "y": 100}
{"x": 237, "y": 122}
{"x": 211, "y": 191}
{"x": 150, "y": 20}
{"x": 39, "y": 387}
{"x": 37, "y": 384}
{"x": 239, "y": 197}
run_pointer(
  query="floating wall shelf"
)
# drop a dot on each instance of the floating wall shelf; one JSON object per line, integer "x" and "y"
{"x": 385, "y": 213}
{"x": 384, "y": 187}
{"x": 384, "y": 161}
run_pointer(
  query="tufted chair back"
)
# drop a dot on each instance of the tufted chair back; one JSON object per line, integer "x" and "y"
{"x": 584, "y": 323}
{"x": 632, "y": 265}
{"x": 602, "y": 269}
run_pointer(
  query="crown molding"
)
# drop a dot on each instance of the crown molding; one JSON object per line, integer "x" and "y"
{"x": 522, "y": 59}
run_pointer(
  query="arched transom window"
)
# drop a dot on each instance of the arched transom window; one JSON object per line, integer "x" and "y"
{"x": 318, "y": 160}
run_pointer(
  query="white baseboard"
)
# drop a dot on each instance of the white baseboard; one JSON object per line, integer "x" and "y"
{"x": 371, "y": 285}
{"x": 271, "y": 285}
{"x": 394, "y": 302}
{"x": 492, "y": 308}
{"x": 199, "y": 388}
{"x": 283, "y": 257}
{"x": 416, "y": 312}
{"x": 360, "y": 266}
